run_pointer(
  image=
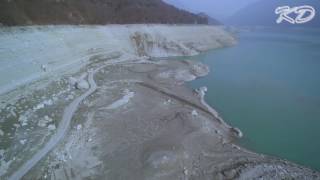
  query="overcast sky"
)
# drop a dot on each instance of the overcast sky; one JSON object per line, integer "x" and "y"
{"x": 219, "y": 9}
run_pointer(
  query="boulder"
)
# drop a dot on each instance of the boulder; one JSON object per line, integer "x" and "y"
{"x": 72, "y": 81}
{"x": 82, "y": 84}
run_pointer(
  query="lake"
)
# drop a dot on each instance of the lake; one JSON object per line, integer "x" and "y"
{"x": 269, "y": 86}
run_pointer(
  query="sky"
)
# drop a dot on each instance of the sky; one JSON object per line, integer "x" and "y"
{"x": 219, "y": 9}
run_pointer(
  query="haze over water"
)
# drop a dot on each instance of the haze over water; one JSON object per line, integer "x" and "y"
{"x": 269, "y": 86}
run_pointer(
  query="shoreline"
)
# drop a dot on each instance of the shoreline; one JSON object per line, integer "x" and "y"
{"x": 161, "y": 79}
{"x": 140, "y": 122}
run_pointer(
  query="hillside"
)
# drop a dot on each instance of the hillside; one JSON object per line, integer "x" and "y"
{"x": 44, "y": 12}
{"x": 210, "y": 19}
{"x": 262, "y": 13}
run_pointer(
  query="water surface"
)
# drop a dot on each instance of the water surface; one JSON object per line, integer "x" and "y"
{"x": 269, "y": 86}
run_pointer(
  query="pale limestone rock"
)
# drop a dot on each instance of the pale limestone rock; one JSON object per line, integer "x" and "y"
{"x": 23, "y": 141}
{"x": 52, "y": 127}
{"x": 79, "y": 127}
{"x": 82, "y": 84}
{"x": 194, "y": 113}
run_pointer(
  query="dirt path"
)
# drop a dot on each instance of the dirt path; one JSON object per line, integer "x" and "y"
{"x": 61, "y": 131}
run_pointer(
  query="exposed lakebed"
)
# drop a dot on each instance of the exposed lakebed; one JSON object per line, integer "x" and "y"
{"x": 269, "y": 86}
{"x": 137, "y": 120}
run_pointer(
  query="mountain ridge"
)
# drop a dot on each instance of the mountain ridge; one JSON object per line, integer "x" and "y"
{"x": 46, "y": 12}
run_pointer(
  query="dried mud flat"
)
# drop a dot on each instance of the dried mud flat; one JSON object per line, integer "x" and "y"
{"x": 142, "y": 122}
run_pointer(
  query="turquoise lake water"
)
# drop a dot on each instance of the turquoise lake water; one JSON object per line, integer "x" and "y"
{"x": 269, "y": 86}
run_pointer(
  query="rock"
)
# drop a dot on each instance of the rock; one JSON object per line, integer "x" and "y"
{"x": 47, "y": 118}
{"x": 1, "y": 133}
{"x": 237, "y": 132}
{"x": 52, "y": 127}
{"x": 83, "y": 84}
{"x": 201, "y": 92}
{"x": 204, "y": 89}
{"x": 185, "y": 171}
{"x": 70, "y": 97}
{"x": 44, "y": 68}
{"x": 79, "y": 127}
{"x": 24, "y": 124}
{"x": 48, "y": 102}
{"x": 39, "y": 106}
{"x": 23, "y": 141}
{"x": 43, "y": 122}
{"x": 167, "y": 102}
{"x": 79, "y": 83}
{"x": 194, "y": 113}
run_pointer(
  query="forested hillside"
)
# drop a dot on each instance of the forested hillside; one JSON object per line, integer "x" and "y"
{"x": 42, "y": 12}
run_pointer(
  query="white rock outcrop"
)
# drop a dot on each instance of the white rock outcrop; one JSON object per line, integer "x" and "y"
{"x": 82, "y": 84}
{"x": 52, "y": 127}
{"x": 79, "y": 83}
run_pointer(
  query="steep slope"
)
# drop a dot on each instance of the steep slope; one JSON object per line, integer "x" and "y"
{"x": 30, "y": 12}
{"x": 211, "y": 20}
{"x": 262, "y": 13}
{"x": 23, "y": 50}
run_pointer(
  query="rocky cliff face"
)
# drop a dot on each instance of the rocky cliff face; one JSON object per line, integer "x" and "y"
{"x": 30, "y": 12}
{"x": 170, "y": 43}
